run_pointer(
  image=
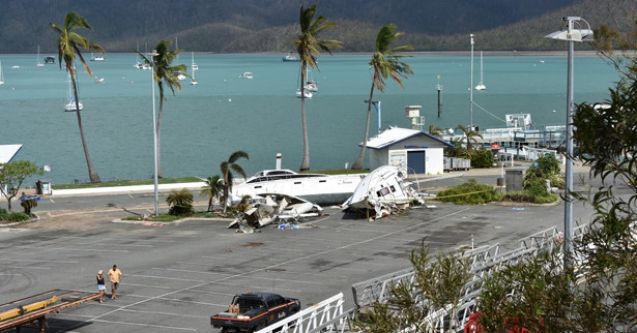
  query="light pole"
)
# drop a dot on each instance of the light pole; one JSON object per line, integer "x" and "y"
{"x": 471, "y": 87}
{"x": 155, "y": 148}
{"x": 571, "y": 34}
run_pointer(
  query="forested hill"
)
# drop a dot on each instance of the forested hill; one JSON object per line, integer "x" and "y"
{"x": 269, "y": 25}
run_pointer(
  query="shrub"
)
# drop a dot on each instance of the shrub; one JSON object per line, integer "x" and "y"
{"x": 481, "y": 158}
{"x": 180, "y": 202}
{"x": 469, "y": 193}
{"x": 13, "y": 217}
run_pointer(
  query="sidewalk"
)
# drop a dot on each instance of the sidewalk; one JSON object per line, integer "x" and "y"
{"x": 124, "y": 189}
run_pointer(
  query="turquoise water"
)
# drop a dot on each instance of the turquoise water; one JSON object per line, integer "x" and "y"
{"x": 203, "y": 124}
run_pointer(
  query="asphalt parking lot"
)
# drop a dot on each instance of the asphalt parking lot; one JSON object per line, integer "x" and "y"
{"x": 176, "y": 276}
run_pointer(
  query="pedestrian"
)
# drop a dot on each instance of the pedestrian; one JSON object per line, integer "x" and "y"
{"x": 115, "y": 276}
{"x": 101, "y": 284}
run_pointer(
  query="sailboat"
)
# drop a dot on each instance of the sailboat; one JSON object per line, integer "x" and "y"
{"x": 70, "y": 106}
{"x": 37, "y": 59}
{"x": 1, "y": 74}
{"x": 194, "y": 68}
{"x": 480, "y": 85}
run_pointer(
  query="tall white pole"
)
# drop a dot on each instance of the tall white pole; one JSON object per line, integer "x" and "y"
{"x": 568, "y": 204}
{"x": 379, "y": 110}
{"x": 156, "y": 161}
{"x": 471, "y": 87}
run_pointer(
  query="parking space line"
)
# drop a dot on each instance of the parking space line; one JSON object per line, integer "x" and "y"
{"x": 144, "y": 325}
{"x": 147, "y": 286}
{"x": 163, "y": 277}
{"x": 297, "y": 259}
{"x": 40, "y": 260}
{"x": 71, "y": 249}
{"x": 158, "y": 312}
{"x": 187, "y": 271}
{"x": 27, "y": 267}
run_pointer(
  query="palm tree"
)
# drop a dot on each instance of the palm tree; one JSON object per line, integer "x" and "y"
{"x": 227, "y": 168}
{"x": 213, "y": 189}
{"x": 308, "y": 45}
{"x": 180, "y": 202}
{"x": 470, "y": 135}
{"x": 69, "y": 44}
{"x": 385, "y": 63}
{"x": 435, "y": 130}
{"x": 165, "y": 76}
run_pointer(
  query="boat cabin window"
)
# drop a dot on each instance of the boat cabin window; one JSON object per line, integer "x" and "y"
{"x": 393, "y": 188}
{"x": 382, "y": 192}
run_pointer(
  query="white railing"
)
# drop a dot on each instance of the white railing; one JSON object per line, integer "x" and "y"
{"x": 326, "y": 315}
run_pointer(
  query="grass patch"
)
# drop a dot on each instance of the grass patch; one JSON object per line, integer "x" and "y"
{"x": 172, "y": 218}
{"x": 127, "y": 182}
{"x": 526, "y": 196}
{"x": 6, "y": 217}
{"x": 469, "y": 193}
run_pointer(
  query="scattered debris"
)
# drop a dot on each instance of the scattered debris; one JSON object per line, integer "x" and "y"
{"x": 381, "y": 193}
{"x": 270, "y": 207}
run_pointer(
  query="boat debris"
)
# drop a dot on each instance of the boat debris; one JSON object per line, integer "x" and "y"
{"x": 382, "y": 192}
{"x": 267, "y": 208}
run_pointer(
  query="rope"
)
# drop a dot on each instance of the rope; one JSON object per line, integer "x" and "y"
{"x": 489, "y": 113}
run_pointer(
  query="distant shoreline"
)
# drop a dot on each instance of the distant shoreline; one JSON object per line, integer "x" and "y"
{"x": 587, "y": 53}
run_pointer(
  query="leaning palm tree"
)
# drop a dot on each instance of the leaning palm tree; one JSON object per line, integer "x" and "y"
{"x": 470, "y": 135}
{"x": 213, "y": 189}
{"x": 227, "y": 168}
{"x": 385, "y": 63}
{"x": 166, "y": 75}
{"x": 308, "y": 45}
{"x": 69, "y": 44}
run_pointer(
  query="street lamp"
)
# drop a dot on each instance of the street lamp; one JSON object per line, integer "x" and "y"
{"x": 378, "y": 109}
{"x": 471, "y": 86}
{"x": 155, "y": 148}
{"x": 573, "y": 33}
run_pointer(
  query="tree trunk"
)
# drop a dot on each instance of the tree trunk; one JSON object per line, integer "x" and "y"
{"x": 305, "y": 164}
{"x": 360, "y": 161}
{"x": 92, "y": 174}
{"x": 210, "y": 204}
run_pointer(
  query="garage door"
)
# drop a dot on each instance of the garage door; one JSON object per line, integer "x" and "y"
{"x": 416, "y": 161}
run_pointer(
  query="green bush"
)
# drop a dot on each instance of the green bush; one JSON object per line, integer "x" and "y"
{"x": 525, "y": 196}
{"x": 180, "y": 202}
{"x": 13, "y": 217}
{"x": 481, "y": 158}
{"x": 470, "y": 192}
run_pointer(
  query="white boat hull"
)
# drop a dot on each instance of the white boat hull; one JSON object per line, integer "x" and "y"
{"x": 382, "y": 187}
{"x": 320, "y": 190}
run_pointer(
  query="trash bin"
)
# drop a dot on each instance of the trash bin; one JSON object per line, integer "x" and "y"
{"x": 43, "y": 187}
{"x": 514, "y": 178}
{"x": 499, "y": 181}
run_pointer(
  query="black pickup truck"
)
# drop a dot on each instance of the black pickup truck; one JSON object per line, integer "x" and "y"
{"x": 254, "y": 311}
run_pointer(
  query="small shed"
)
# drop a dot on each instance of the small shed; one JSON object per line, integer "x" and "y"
{"x": 411, "y": 150}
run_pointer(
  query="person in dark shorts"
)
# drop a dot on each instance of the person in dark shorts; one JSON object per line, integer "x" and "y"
{"x": 115, "y": 276}
{"x": 101, "y": 285}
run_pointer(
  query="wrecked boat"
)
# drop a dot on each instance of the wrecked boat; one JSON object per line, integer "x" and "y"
{"x": 383, "y": 191}
{"x": 317, "y": 188}
{"x": 268, "y": 208}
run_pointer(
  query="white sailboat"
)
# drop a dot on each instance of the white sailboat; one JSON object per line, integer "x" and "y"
{"x": 193, "y": 68}
{"x": 1, "y": 74}
{"x": 305, "y": 94}
{"x": 70, "y": 106}
{"x": 37, "y": 59}
{"x": 480, "y": 85}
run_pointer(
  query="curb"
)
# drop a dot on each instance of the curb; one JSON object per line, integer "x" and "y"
{"x": 179, "y": 221}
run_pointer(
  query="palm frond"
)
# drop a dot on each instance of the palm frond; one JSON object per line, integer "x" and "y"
{"x": 237, "y": 155}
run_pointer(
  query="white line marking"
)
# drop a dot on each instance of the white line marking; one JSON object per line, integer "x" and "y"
{"x": 188, "y": 271}
{"x": 158, "y": 312}
{"x": 70, "y": 249}
{"x": 163, "y": 277}
{"x": 315, "y": 254}
{"x": 147, "y": 286}
{"x": 143, "y": 325}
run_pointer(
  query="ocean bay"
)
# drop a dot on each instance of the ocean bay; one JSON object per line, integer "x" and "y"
{"x": 203, "y": 124}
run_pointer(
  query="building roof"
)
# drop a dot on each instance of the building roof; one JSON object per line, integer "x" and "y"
{"x": 7, "y": 152}
{"x": 395, "y": 135}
